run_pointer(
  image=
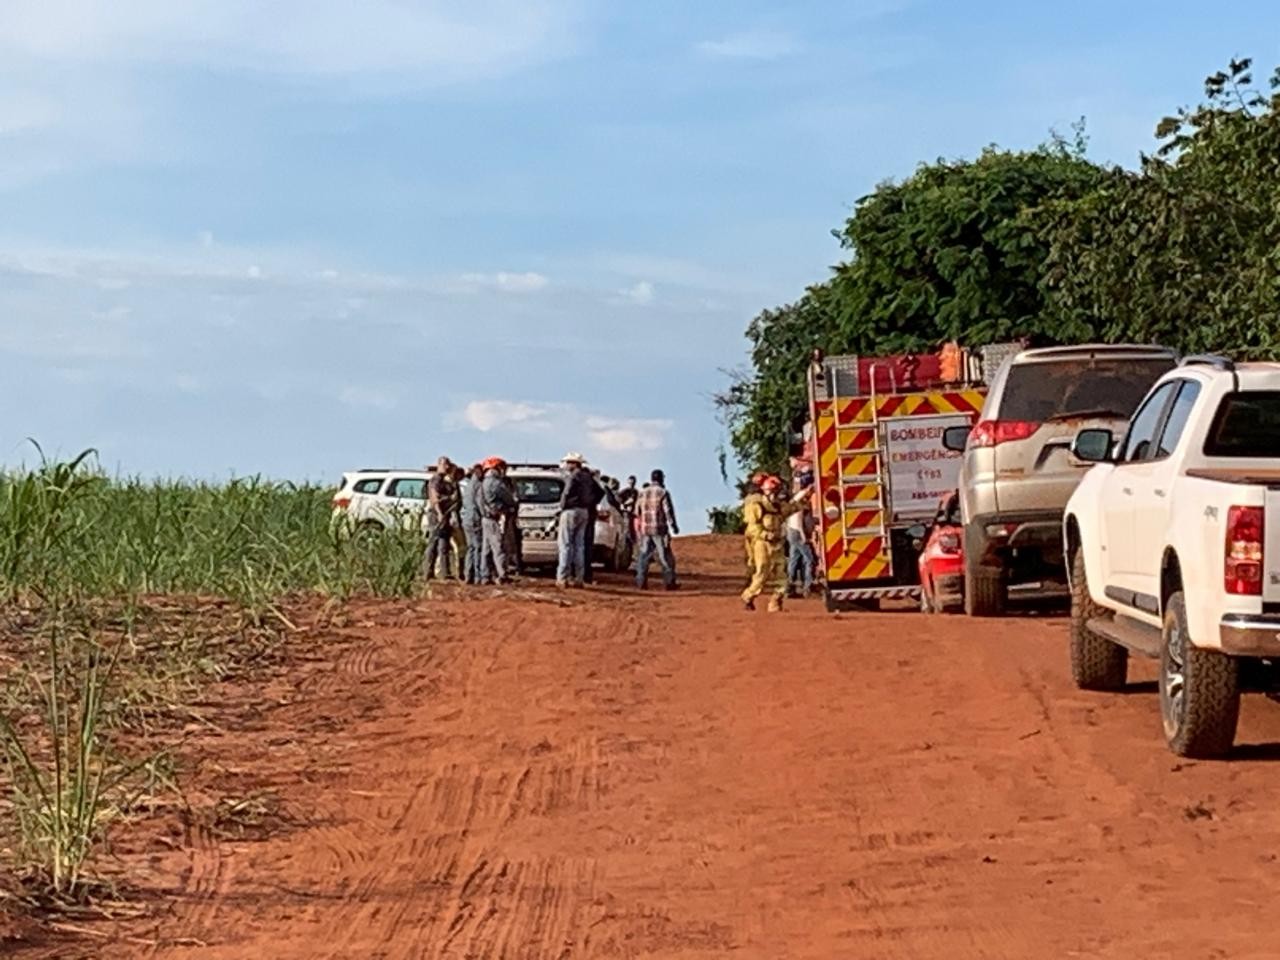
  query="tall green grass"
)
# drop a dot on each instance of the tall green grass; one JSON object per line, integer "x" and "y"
{"x": 79, "y": 554}
{"x": 252, "y": 540}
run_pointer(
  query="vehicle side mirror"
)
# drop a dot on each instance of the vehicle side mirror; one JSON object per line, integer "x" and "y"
{"x": 956, "y": 438}
{"x": 1093, "y": 446}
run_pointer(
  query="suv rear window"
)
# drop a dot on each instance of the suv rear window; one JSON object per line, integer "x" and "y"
{"x": 541, "y": 490}
{"x": 1247, "y": 424}
{"x": 1037, "y": 392}
{"x": 369, "y": 486}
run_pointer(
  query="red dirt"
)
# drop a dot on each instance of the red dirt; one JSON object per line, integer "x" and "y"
{"x": 668, "y": 776}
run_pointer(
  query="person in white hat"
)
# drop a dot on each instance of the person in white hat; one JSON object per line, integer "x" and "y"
{"x": 575, "y": 501}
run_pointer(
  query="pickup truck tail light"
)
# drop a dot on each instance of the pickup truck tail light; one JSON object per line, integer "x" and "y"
{"x": 341, "y": 502}
{"x": 1242, "y": 567}
{"x": 992, "y": 433}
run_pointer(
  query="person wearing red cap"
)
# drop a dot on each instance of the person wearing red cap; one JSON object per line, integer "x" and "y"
{"x": 764, "y": 513}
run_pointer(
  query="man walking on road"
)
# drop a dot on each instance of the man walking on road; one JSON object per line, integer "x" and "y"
{"x": 442, "y": 497}
{"x": 576, "y": 500}
{"x": 496, "y": 504}
{"x": 657, "y": 525}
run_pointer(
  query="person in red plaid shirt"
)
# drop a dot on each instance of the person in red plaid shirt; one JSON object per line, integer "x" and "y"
{"x": 657, "y": 524}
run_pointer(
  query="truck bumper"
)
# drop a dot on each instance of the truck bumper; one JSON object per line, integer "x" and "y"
{"x": 1250, "y": 634}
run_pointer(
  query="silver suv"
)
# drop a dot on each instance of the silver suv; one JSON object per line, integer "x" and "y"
{"x": 1018, "y": 473}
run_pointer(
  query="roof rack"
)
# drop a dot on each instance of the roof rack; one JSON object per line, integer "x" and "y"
{"x": 1209, "y": 360}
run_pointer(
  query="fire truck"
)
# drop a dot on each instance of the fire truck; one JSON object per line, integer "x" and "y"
{"x": 874, "y": 439}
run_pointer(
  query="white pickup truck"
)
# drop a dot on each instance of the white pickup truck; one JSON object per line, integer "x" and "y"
{"x": 1173, "y": 545}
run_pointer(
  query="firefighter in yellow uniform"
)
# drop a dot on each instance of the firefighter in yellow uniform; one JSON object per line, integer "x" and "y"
{"x": 764, "y": 515}
{"x": 753, "y": 487}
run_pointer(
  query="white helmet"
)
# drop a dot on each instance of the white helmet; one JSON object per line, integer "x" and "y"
{"x": 573, "y": 457}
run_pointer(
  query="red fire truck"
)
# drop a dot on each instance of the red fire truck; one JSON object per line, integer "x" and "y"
{"x": 874, "y": 438}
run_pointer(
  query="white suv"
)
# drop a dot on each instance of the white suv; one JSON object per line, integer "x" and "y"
{"x": 381, "y": 499}
{"x": 538, "y": 488}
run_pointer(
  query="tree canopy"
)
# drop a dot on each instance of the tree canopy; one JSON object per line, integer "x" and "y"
{"x": 1046, "y": 245}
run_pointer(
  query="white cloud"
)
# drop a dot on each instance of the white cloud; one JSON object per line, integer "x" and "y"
{"x": 369, "y": 398}
{"x": 529, "y": 282}
{"x": 488, "y": 415}
{"x": 750, "y": 45}
{"x": 569, "y": 424}
{"x": 623, "y": 435}
{"x": 642, "y": 293}
{"x": 431, "y": 40}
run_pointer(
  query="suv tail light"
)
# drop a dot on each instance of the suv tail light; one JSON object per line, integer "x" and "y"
{"x": 992, "y": 433}
{"x": 341, "y": 501}
{"x": 1242, "y": 565}
{"x": 949, "y": 543}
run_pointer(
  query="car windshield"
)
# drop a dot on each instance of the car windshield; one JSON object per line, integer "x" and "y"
{"x": 1247, "y": 425}
{"x": 538, "y": 489}
{"x": 1037, "y": 392}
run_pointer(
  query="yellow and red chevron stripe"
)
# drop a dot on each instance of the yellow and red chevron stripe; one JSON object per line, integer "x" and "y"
{"x": 864, "y": 559}
{"x": 861, "y": 465}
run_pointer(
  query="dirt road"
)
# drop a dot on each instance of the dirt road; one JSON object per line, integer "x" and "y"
{"x": 668, "y": 776}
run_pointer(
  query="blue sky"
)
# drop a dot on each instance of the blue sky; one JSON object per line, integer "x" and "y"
{"x": 299, "y": 237}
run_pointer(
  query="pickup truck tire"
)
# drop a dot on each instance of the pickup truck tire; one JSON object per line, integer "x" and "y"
{"x": 1199, "y": 690}
{"x": 1096, "y": 662}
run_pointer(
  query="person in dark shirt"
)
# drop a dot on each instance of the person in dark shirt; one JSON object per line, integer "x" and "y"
{"x": 589, "y": 537}
{"x": 442, "y": 505}
{"x": 577, "y": 498}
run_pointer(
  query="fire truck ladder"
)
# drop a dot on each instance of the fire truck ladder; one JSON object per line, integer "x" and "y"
{"x": 843, "y": 457}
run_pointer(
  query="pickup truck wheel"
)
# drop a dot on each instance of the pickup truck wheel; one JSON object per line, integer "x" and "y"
{"x": 1096, "y": 662}
{"x": 1199, "y": 690}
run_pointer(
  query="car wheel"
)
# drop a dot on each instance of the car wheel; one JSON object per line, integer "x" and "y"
{"x": 1096, "y": 662}
{"x": 1199, "y": 690}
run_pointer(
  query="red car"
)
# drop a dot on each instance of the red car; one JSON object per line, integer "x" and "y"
{"x": 942, "y": 560}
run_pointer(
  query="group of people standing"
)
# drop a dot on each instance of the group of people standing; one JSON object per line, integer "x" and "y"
{"x": 475, "y": 514}
{"x": 772, "y": 520}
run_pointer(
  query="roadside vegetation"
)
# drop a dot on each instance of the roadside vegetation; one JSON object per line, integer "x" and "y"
{"x": 120, "y": 601}
{"x": 1048, "y": 246}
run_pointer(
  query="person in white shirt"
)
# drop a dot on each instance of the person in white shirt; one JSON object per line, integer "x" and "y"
{"x": 800, "y": 560}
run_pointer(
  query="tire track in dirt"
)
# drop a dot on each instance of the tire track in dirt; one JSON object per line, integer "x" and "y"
{"x": 664, "y": 776}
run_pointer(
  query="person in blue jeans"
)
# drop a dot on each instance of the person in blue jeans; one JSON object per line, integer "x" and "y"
{"x": 657, "y": 526}
{"x": 577, "y": 498}
{"x": 800, "y": 561}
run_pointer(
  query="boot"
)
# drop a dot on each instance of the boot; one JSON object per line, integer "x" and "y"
{"x": 775, "y": 605}
{"x": 748, "y": 604}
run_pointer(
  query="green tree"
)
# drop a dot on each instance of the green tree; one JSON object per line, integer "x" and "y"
{"x": 949, "y": 253}
{"x": 1186, "y": 250}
